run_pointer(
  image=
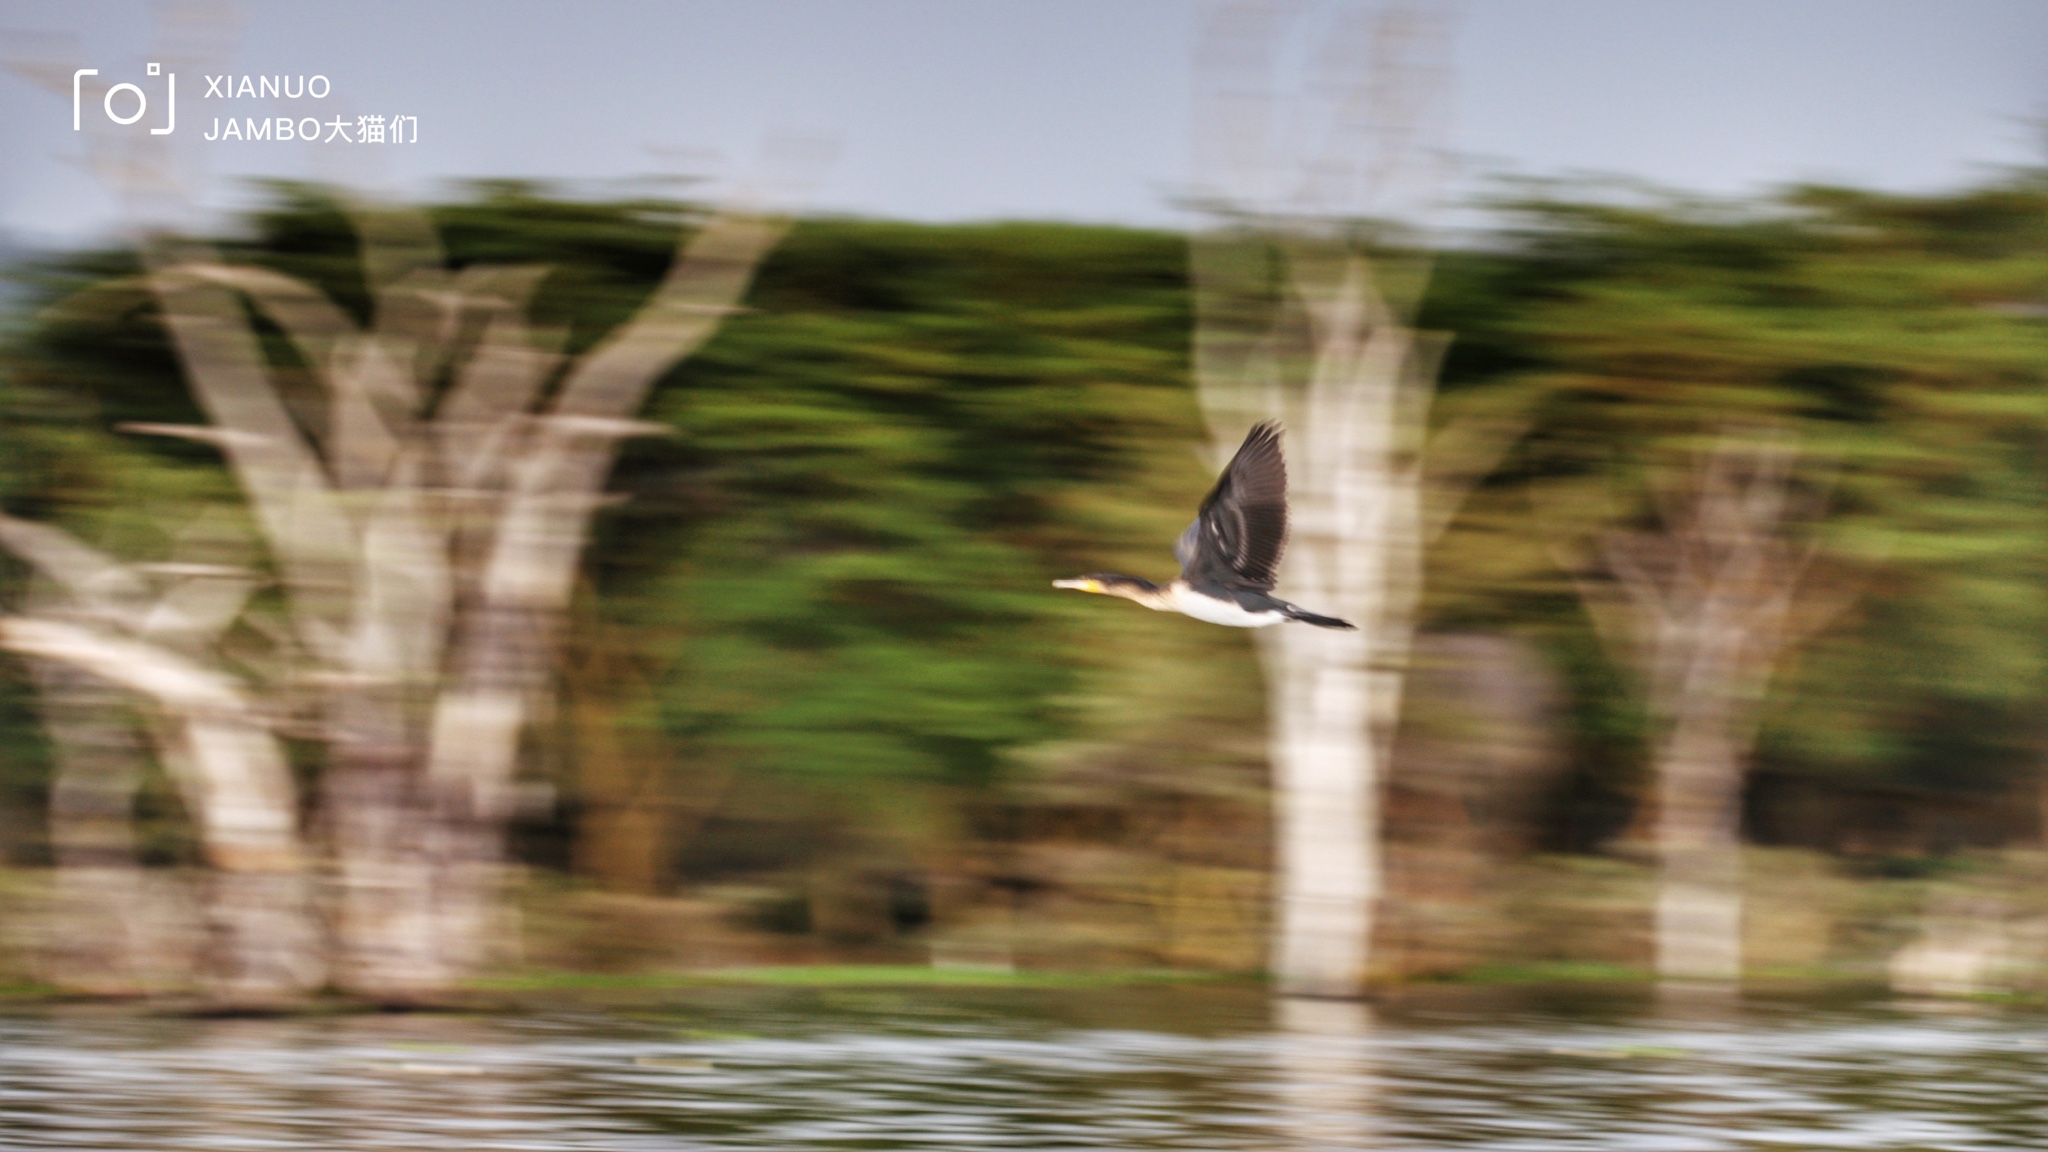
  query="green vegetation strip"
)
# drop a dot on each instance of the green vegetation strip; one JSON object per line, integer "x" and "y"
{"x": 847, "y": 976}
{"x": 27, "y": 990}
{"x": 1552, "y": 972}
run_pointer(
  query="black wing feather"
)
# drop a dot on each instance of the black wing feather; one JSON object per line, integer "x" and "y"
{"x": 1238, "y": 535}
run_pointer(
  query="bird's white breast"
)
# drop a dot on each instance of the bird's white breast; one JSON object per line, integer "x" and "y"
{"x": 1226, "y": 612}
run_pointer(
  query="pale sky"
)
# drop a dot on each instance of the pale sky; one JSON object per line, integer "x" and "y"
{"x": 1062, "y": 109}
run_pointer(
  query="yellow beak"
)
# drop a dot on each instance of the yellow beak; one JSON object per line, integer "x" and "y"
{"x": 1079, "y": 585}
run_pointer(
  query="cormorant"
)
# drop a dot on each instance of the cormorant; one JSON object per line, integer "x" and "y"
{"x": 1227, "y": 556}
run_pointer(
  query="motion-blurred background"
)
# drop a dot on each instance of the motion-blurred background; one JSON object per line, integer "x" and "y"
{"x": 506, "y": 553}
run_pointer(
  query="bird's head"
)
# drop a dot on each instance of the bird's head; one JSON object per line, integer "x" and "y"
{"x": 1110, "y": 584}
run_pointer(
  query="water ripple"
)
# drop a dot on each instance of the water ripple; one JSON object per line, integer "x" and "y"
{"x": 993, "y": 1080}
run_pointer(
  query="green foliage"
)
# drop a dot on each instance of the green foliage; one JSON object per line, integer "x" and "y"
{"x": 835, "y": 572}
{"x": 833, "y": 575}
{"x": 839, "y": 563}
{"x": 1899, "y": 339}
{"x": 880, "y": 455}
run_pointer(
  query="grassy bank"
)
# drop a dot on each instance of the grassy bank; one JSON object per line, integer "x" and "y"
{"x": 1977, "y": 923}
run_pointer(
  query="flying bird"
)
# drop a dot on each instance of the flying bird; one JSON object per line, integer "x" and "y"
{"x": 1227, "y": 556}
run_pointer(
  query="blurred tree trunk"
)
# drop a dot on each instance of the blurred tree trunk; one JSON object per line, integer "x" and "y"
{"x": 113, "y": 632}
{"x": 428, "y": 535}
{"x": 1353, "y": 382}
{"x": 1301, "y": 317}
{"x": 101, "y": 940}
{"x": 261, "y": 943}
{"x": 426, "y": 523}
{"x": 1704, "y": 607}
{"x": 1353, "y": 552}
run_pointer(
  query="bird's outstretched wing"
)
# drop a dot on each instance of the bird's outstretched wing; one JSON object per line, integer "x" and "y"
{"x": 1237, "y": 536}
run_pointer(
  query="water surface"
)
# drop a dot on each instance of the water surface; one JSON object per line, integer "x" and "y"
{"x": 1156, "y": 1068}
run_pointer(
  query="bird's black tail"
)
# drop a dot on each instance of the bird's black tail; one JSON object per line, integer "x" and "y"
{"x": 1293, "y": 613}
